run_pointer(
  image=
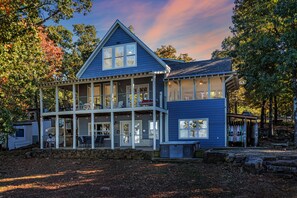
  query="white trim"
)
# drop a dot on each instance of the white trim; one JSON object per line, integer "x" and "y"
{"x": 190, "y": 119}
{"x": 157, "y": 129}
{"x": 114, "y": 94}
{"x": 117, "y": 24}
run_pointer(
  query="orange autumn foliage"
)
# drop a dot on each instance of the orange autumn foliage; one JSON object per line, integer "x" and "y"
{"x": 53, "y": 53}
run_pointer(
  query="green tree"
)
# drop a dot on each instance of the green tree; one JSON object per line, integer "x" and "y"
{"x": 27, "y": 55}
{"x": 168, "y": 51}
{"x": 75, "y": 53}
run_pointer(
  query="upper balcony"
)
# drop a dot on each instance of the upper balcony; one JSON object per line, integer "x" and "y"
{"x": 100, "y": 97}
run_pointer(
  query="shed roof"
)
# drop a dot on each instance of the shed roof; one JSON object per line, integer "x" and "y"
{"x": 200, "y": 68}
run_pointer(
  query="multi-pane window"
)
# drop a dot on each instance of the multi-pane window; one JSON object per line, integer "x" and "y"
{"x": 107, "y": 58}
{"x": 197, "y": 89}
{"x": 100, "y": 128}
{"x": 131, "y": 55}
{"x": 19, "y": 133}
{"x": 151, "y": 130}
{"x": 119, "y": 56}
{"x": 141, "y": 92}
{"x": 193, "y": 128}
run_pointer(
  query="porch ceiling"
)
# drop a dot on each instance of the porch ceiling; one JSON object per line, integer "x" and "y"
{"x": 89, "y": 80}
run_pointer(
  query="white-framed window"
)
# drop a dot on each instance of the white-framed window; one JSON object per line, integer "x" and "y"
{"x": 119, "y": 56}
{"x": 193, "y": 128}
{"x": 100, "y": 128}
{"x": 141, "y": 92}
{"x": 151, "y": 129}
{"x": 107, "y": 95}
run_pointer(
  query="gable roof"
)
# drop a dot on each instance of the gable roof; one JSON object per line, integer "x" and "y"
{"x": 200, "y": 68}
{"x": 117, "y": 24}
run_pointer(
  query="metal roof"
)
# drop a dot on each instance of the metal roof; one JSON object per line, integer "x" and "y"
{"x": 200, "y": 68}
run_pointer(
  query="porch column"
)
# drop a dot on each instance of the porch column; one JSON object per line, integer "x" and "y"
{"x": 154, "y": 112}
{"x": 208, "y": 88}
{"x": 57, "y": 99}
{"x": 166, "y": 127}
{"x": 223, "y": 87}
{"x": 92, "y": 130}
{"x": 41, "y": 119}
{"x": 74, "y": 117}
{"x": 57, "y": 117}
{"x": 112, "y": 129}
{"x": 161, "y": 119}
{"x": 92, "y": 95}
{"x": 111, "y": 94}
{"x": 133, "y": 115}
{"x": 57, "y": 131}
{"x": 161, "y": 128}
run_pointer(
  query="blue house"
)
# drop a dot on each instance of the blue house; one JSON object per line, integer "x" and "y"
{"x": 127, "y": 97}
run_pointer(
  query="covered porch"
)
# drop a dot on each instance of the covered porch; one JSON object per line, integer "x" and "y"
{"x": 114, "y": 112}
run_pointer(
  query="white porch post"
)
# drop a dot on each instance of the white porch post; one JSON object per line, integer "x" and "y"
{"x": 111, "y": 94}
{"x": 41, "y": 119}
{"x": 57, "y": 117}
{"x": 92, "y": 95}
{"x": 166, "y": 128}
{"x": 154, "y": 112}
{"x": 112, "y": 129}
{"x": 92, "y": 130}
{"x": 74, "y": 117}
{"x": 208, "y": 88}
{"x": 161, "y": 119}
{"x": 92, "y": 116}
{"x": 57, "y": 131}
{"x": 111, "y": 115}
{"x": 133, "y": 115}
{"x": 223, "y": 87}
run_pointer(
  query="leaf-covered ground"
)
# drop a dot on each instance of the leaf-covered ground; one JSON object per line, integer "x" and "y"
{"x": 127, "y": 178}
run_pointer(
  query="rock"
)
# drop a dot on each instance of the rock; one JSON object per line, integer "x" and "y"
{"x": 253, "y": 164}
{"x": 105, "y": 188}
{"x": 28, "y": 154}
{"x": 230, "y": 157}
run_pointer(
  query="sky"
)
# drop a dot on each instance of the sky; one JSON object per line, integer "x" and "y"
{"x": 196, "y": 27}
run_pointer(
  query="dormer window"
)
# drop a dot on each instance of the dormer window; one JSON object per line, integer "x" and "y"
{"x": 119, "y": 56}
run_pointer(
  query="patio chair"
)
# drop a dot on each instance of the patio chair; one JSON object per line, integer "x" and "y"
{"x": 99, "y": 141}
{"x": 87, "y": 140}
{"x": 81, "y": 142}
{"x": 120, "y": 104}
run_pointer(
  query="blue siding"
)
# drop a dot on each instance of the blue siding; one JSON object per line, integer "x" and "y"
{"x": 145, "y": 62}
{"x": 213, "y": 109}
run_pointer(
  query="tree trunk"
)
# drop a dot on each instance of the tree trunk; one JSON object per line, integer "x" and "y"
{"x": 270, "y": 117}
{"x": 37, "y": 114}
{"x": 295, "y": 104}
{"x": 275, "y": 110}
{"x": 262, "y": 114}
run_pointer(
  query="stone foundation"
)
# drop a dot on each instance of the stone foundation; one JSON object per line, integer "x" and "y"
{"x": 129, "y": 154}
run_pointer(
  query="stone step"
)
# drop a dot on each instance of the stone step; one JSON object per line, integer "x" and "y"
{"x": 288, "y": 163}
{"x": 281, "y": 169}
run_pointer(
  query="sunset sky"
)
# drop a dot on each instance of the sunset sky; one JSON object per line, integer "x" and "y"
{"x": 196, "y": 27}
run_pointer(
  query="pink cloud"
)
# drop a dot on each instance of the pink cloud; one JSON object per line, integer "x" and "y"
{"x": 180, "y": 20}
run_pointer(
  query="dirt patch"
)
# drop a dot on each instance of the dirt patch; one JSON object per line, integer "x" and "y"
{"x": 133, "y": 178}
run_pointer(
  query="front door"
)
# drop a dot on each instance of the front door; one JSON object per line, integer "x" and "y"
{"x": 126, "y": 133}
